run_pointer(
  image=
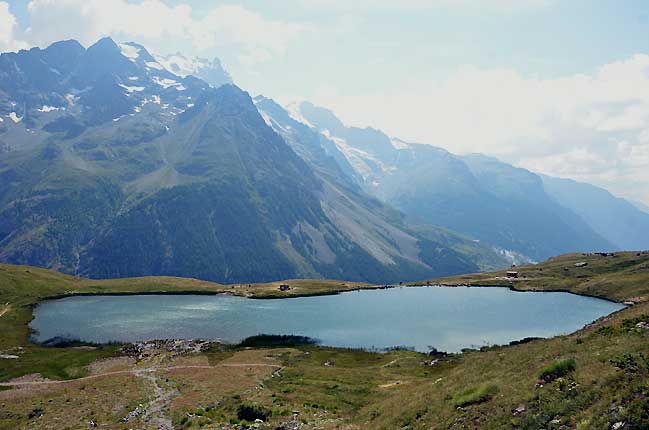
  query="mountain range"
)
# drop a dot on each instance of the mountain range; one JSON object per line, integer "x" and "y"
{"x": 528, "y": 216}
{"x": 117, "y": 162}
{"x": 113, "y": 165}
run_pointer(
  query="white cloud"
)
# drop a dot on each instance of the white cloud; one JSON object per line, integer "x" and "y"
{"x": 257, "y": 38}
{"x": 587, "y": 127}
{"x": 52, "y": 20}
{"x": 590, "y": 127}
{"x": 8, "y": 24}
{"x": 500, "y": 6}
{"x": 263, "y": 39}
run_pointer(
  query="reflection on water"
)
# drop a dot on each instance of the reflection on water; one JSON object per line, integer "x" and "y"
{"x": 448, "y": 319}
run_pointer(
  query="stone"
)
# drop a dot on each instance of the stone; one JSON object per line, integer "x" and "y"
{"x": 643, "y": 325}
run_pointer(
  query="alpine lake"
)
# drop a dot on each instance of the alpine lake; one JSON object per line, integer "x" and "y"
{"x": 420, "y": 318}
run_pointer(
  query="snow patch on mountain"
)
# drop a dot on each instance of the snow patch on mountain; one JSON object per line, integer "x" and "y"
{"x": 354, "y": 156}
{"x": 399, "y": 144}
{"x": 71, "y": 98}
{"x": 154, "y": 65}
{"x": 168, "y": 83}
{"x": 180, "y": 65}
{"x": 295, "y": 113}
{"x": 129, "y": 51}
{"x": 47, "y": 108}
{"x": 211, "y": 72}
{"x": 165, "y": 82}
{"x": 361, "y": 161}
{"x": 267, "y": 119}
{"x": 132, "y": 89}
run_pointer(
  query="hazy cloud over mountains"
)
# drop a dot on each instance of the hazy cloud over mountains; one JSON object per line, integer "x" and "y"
{"x": 8, "y": 23}
{"x": 522, "y": 80}
{"x": 588, "y": 127}
{"x": 493, "y": 5}
{"x": 158, "y": 23}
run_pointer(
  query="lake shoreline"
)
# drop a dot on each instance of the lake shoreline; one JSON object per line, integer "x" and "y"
{"x": 411, "y": 317}
{"x": 512, "y": 367}
{"x": 520, "y": 290}
{"x": 332, "y": 292}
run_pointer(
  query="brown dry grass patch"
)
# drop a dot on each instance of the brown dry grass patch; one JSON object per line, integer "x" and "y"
{"x": 72, "y": 405}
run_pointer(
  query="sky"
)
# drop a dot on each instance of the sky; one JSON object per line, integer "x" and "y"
{"x": 560, "y": 87}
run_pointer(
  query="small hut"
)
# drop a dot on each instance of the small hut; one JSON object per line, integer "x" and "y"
{"x": 512, "y": 275}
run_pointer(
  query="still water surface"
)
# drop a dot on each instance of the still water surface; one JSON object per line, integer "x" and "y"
{"x": 448, "y": 319}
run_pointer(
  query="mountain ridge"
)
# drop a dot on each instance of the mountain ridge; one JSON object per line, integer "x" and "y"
{"x": 463, "y": 194}
{"x": 143, "y": 172}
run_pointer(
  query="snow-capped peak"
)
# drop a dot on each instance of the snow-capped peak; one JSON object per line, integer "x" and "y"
{"x": 210, "y": 71}
{"x": 129, "y": 51}
{"x": 295, "y": 113}
{"x": 399, "y": 144}
{"x": 181, "y": 65}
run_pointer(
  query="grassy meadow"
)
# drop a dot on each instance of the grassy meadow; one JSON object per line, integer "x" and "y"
{"x": 596, "y": 378}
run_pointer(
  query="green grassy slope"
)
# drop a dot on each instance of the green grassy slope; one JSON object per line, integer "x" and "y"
{"x": 524, "y": 386}
{"x": 610, "y": 384}
{"x": 22, "y": 287}
{"x": 622, "y": 276}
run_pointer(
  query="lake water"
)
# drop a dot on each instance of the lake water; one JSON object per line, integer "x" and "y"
{"x": 448, "y": 319}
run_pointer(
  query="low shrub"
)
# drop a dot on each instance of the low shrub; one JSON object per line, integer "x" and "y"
{"x": 275, "y": 341}
{"x": 631, "y": 324}
{"x": 252, "y": 413}
{"x": 631, "y": 363}
{"x": 476, "y": 395}
{"x": 523, "y": 341}
{"x": 558, "y": 369}
{"x": 65, "y": 342}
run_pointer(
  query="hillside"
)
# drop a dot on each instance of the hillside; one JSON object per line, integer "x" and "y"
{"x": 115, "y": 166}
{"x": 595, "y": 378}
{"x": 621, "y": 276}
{"x": 338, "y": 175}
{"x": 510, "y": 208}
{"x": 616, "y": 219}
